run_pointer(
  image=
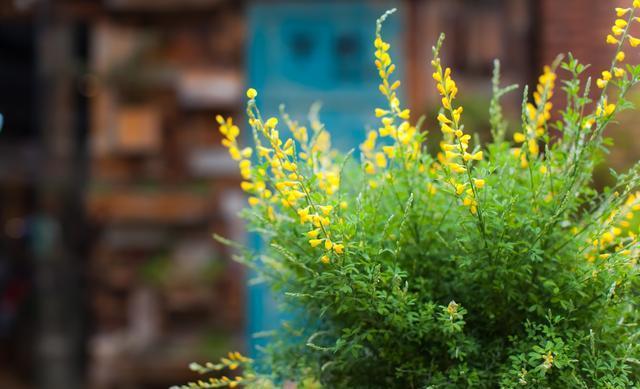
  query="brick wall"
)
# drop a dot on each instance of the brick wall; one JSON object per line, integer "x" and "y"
{"x": 579, "y": 26}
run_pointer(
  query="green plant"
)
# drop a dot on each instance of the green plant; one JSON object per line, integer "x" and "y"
{"x": 492, "y": 265}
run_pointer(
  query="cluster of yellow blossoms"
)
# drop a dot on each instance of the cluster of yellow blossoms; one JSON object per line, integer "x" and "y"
{"x": 617, "y": 236}
{"x": 455, "y": 157}
{"x": 284, "y": 183}
{"x": 234, "y": 360}
{"x": 619, "y": 33}
{"x": 538, "y": 114}
{"x": 621, "y": 26}
{"x": 230, "y": 132}
{"x": 315, "y": 150}
{"x": 405, "y": 138}
{"x": 277, "y": 180}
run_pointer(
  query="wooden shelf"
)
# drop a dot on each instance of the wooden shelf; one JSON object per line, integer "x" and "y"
{"x": 126, "y": 205}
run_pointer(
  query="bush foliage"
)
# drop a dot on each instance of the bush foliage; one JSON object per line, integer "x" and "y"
{"x": 495, "y": 265}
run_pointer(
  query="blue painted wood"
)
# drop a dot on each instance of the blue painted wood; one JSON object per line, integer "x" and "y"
{"x": 301, "y": 52}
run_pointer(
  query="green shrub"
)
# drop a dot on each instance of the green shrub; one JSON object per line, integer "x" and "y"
{"x": 490, "y": 265}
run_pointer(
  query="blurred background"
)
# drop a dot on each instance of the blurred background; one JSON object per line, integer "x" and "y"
{"x": 112, "y": 177}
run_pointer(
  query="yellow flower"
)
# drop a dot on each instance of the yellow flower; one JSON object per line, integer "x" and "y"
{"x": 612, "y": 40}
{"x": 304, "y": 215}
{"x": 606, "y": 75}
{"x": 324, "y": 259}
{"x": 328, "y": 244}
{"x": 252, "y": 93}
{"x": 315, "y": 242}
{"x": 313, "y": 233}
{"x": 320, "y": 221}
{"x": 446, "y": 102}
{"x": 450, "y": 155}
{"x": 479, "y": 183}
{"x": 605, "y": 109}
{"x": 343, "y": 205}
{"x": 589, "y": 122}
{"x": 534, "y": 149}
{"x": 235, "y": 153}
{"x": 390, "y": 151}
{"x": 619, "y": 72}
{"x": 456, "y": 168}
{"x": 446, "y": 129}
{"x": 271, "y": 123}
{"x": 519, "y": 137}
{"x": 620, "y": 56}
{"x": 601, "y": 83}
{"x": 620, "y": 12}
{"x": 381, "y": 161}
{"x": 246, "y": 186}
{"x": 634, "y": 42}
{"x": 475, "y": 156}
{"x": 443, "y": 119}
{"x": 620, "y": 23}
{"x": 263, "y": 151}
{"x": 253, "y": 201}
{"x": 338, "y": 248}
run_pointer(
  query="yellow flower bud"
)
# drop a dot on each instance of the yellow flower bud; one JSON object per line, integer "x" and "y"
{"x": 271, "y": 123}
{"x": 612, "y": 40}
{"x": 252, "y": 93}
{"x": 381, "y": 112}
{"x": 620, "y": 12}
{"x": 404, "y": 114}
